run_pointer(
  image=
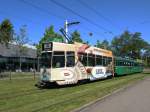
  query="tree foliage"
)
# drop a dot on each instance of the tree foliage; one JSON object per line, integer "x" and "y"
{"x": 49, "y": 35}
{"x": 21, "y": 39}
{"x": 76, "y": 37}
{"x": 129, "y": 44}
{"x": 146, "y": 56}
{"x": 104, "y": 44}
{"x": 6, "y": 32}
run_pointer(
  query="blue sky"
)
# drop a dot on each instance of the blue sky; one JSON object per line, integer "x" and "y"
{"x": 114, "y": 15}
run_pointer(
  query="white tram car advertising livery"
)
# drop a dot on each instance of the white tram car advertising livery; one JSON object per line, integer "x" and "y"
{"x": 70, "y": 63}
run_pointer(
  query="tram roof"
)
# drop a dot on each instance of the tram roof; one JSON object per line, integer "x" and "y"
{"x": 129, "y": 59}
{"x": 76, "y": 47}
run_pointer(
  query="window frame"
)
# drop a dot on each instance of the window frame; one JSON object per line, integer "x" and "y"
{"x": 98, "y": 57}
{"x": 56, "y": 55}
{"x": 85, "y": 58}
{"x": 92, "y": 59}
{"x": 66, "y": 62}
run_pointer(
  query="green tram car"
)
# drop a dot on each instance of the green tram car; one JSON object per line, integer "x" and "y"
{"x": 125, "y": 66}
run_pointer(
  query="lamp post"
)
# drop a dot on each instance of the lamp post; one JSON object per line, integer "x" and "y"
{"x": 66, "y": 28}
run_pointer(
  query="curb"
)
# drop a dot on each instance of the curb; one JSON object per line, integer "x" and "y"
{"x": 108, "y": 95}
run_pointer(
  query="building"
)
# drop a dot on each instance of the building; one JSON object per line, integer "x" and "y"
{"x": 10, "y": 58}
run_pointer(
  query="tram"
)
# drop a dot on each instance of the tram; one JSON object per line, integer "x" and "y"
{"x": 64, "y": 63}
{"x": 124, "y": 66}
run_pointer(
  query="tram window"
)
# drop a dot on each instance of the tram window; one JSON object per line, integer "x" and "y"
{"x": 70, "y": 59}
{"x": 109, "y": 60}
{"x": 125, "y": 63}
{"x": 59, "y": 53}
{"x": 116, "y": 62}
{"x": 104, "y": 61}
{"x": 58, "y": 59}
{"x": 128, "y": 63}
{"x": 135, "y": 64}
{"x": 131, "y": 63}
{"x": 45, "y": 59}
{"x": 121, "y": 63}
{"x": 141, "y": 65}
{"x": 98, "y": 60}
{"x": 83, "y": 58}
{"x": 91, "y": 60}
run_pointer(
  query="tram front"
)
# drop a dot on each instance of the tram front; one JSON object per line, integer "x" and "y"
{"x": 57, "y": 64}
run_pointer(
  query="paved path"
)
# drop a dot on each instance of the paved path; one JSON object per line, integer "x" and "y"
{"x": 133, "y": 99}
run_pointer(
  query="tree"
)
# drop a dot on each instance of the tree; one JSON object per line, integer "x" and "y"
{"x": 137, "y": 44}
{"x": 21, "y": 39}
{"x": 146, "y": 56}
{"x": 98, "y": 44}
{"x": 49, "y": 35}
{"x": 120, "y": 44}
{"x": 75, "y": 37}
{"x": 6, "y": 32}
{"x": 104, "y": 44}
{"x": 87, "y": 42}
{"x": 128, "y": 44}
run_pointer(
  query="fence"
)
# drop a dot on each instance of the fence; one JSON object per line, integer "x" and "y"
{"x": 8, "y": 75}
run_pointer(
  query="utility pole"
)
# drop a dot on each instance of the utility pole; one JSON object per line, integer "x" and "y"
{"x": 66, "y": 31}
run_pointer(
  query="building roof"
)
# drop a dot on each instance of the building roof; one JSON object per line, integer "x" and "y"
{"x": 12, "y": 50}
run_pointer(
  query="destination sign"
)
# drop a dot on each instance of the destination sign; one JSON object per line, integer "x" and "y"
{"x": 47, "y": 46}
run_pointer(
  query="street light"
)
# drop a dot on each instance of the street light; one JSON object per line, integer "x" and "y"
{"x": 66, "y": 28}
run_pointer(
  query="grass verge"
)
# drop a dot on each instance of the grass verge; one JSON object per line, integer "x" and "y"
{"x": 22, "y": 96}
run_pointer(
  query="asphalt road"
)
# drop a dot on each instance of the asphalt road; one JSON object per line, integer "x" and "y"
{"x": 135, "y": 98}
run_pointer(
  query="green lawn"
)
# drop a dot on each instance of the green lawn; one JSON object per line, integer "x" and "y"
{"x": 20, "y": 95}
{"x": 17, "y": 75}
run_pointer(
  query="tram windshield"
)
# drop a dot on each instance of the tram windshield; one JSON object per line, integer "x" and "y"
{"x": 58, "y": 59}
{"x": 46, "y": 59}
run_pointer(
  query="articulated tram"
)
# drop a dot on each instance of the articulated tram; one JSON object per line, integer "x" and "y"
{"x": 64, "y": 64}
{"x": 70, "y": 63}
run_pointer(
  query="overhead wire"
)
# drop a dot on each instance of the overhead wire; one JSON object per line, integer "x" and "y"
{"x": 98, "y": 13}
{"x": 50, "y": 13}
{"x": 84, "y": 18}
{"x": 42, "y": 9}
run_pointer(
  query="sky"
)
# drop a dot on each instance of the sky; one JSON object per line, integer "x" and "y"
{"x": 104, "y": 18}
